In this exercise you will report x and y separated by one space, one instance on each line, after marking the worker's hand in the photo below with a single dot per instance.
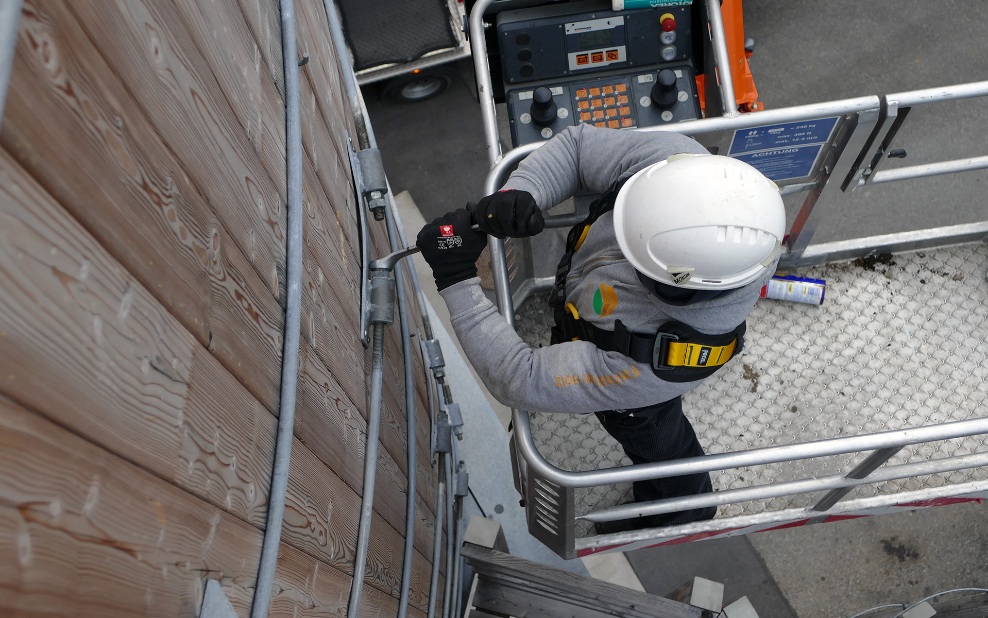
451 247
508 213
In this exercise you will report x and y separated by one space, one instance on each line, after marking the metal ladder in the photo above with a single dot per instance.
889 402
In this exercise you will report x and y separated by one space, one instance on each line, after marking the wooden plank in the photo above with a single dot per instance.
343 451
242 330
85 533
322 73
180 97
133 381
219 33
263 18
106 164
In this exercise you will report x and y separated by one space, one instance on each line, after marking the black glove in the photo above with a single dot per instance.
451 247
508 213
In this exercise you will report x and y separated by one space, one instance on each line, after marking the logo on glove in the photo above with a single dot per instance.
447 239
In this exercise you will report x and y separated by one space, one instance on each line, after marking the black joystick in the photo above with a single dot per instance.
664 91
543 107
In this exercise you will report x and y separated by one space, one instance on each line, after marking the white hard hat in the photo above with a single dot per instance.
702 222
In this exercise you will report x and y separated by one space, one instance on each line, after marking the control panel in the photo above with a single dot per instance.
582 62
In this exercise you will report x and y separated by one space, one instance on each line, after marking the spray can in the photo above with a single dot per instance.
624 5
795 289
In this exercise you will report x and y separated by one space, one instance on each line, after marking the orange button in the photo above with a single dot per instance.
612 55
595 57
581 93
612 112
620 87
609 101
622 99
613 124
583 104
598 114
627 122
597 103
583 59
607 89
625 111
602 125
584 116
595 92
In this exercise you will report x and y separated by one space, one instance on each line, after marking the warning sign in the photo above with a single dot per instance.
783 151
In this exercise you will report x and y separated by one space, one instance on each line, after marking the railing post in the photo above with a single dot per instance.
551 514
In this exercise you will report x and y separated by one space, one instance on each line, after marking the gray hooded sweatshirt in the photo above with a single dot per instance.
577 377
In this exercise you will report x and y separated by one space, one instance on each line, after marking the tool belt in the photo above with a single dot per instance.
676 353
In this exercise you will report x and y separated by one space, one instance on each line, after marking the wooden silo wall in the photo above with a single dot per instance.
142 299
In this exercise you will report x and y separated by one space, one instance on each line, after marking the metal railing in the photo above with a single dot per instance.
863 131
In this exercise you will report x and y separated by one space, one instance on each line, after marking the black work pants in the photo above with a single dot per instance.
660 433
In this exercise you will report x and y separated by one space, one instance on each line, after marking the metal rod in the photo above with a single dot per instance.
410 454
654 536
870 464
485 92
787 488
437 540
769 116
723 461
722 59
290 353
370 470
457 533
10 14
935 95
450 534
928 169
397 240
892 243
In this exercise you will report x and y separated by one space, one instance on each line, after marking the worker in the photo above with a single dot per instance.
650 298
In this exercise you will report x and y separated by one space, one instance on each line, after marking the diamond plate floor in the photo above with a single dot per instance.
901 341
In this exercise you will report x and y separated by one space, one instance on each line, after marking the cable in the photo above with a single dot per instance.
370 471
290 354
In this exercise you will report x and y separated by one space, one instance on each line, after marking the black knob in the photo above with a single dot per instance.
543 107
664 91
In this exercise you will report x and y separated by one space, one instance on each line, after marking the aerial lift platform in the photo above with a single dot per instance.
870 403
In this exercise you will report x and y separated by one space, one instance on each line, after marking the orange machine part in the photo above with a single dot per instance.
744 84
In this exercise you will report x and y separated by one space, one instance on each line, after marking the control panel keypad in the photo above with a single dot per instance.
605 105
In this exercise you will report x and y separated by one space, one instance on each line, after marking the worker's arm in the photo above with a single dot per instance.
585 157
574 377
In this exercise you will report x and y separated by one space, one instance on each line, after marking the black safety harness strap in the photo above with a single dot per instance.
575 238
677 353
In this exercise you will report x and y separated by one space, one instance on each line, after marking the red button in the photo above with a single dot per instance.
668 24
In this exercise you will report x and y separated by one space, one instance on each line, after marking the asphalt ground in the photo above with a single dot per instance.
805 52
